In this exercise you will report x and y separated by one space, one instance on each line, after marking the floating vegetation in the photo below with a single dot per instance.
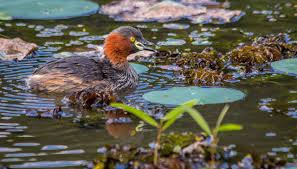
47 9
139 68
4 16
263 50
252 55
179 95
287 66
205 68
208 58
205 77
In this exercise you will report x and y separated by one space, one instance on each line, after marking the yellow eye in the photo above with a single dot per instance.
132 39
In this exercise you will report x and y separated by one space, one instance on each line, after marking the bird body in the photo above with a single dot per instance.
109 73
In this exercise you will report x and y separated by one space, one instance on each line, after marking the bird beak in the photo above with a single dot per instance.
144 45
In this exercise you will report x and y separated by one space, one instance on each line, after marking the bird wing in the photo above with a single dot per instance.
83 68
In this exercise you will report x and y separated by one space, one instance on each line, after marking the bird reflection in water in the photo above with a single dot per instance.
119 125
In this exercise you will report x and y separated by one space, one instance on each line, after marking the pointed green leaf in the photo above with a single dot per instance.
230 127
199 120
140 114
172 116
176 111
221 116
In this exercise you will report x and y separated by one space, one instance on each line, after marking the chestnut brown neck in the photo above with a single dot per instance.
117 48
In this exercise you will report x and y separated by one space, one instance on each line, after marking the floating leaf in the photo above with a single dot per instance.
179 95
288 66
4 16
230 127
140 114
47 9
139 68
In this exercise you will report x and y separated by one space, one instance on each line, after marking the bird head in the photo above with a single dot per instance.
122 42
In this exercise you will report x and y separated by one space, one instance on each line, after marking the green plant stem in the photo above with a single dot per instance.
213 151
158 144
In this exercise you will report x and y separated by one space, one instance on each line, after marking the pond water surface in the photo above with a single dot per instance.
27 142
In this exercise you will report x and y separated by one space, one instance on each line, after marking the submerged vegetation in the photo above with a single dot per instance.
210 68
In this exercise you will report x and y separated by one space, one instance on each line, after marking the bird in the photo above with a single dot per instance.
75 75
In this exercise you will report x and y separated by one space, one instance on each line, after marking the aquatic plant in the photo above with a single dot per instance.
206 77
161 126
287 66
263 50
204 95
46 9
4 16
213 133
208 58
252 55
205 68
139 68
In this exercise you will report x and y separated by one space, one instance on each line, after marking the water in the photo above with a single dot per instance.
27 142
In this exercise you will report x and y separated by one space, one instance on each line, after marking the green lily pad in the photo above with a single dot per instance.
4 16
46 9
139 68
179 95
288 66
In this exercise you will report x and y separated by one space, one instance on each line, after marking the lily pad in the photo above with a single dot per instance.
139 68
46 9
4 16
288 66
179 95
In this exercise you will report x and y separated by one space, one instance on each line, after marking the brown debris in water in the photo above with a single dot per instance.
208 58
164 11
211 68
206 77
15 49
263 50
205 68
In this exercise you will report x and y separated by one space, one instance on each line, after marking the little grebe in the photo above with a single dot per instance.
111 72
